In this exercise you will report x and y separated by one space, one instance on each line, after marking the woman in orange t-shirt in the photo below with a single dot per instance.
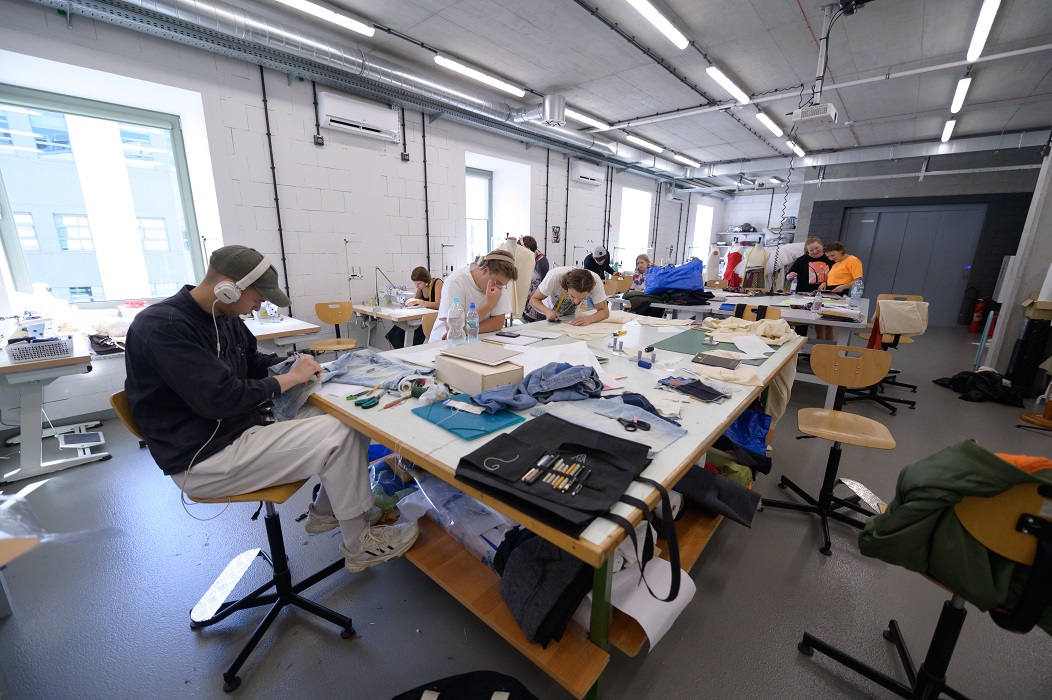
846 269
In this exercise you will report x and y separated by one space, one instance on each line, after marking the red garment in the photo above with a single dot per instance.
733 258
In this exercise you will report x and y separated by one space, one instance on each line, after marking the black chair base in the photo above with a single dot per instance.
873 393
927 682
285 593
826 505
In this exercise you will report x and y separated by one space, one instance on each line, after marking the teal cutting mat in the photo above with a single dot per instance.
691 342
466 425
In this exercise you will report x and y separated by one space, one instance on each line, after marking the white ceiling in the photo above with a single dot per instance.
557 46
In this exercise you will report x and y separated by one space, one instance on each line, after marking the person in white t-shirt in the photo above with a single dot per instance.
563 289
482 283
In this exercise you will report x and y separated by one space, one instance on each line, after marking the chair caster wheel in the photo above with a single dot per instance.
231 685
781 485
912 407
828 551
195 625
347 633
888 635
805 649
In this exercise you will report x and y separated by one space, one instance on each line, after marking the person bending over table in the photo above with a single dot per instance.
639 279
845 270
196 385
482 283
562 291
428 292
810 272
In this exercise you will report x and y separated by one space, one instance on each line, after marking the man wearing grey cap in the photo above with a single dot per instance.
598 261
196 384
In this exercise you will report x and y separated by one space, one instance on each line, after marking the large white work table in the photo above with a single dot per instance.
575 662
408 318
271 335
29 379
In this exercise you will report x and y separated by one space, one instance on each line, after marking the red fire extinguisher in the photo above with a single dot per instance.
977 316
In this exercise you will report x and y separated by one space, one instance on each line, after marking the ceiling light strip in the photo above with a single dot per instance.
585 119
662 23
329 15
959 94
795 149
728 84
687 161
982 28
642 143
769 123
478 75
947 130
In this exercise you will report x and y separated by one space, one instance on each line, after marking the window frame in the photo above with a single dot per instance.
39 99
486 175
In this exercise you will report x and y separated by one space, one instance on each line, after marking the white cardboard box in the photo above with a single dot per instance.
472 377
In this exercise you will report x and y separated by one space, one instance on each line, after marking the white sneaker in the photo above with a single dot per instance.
319 522
380 544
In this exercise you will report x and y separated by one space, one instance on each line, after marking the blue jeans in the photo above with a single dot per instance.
556 381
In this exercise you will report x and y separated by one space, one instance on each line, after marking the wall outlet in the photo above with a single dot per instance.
405 157
319 140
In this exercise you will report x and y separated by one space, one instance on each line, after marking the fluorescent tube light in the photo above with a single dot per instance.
948 130
959 95
687 161
727 84
651 14
329 15
982 28
479 76
585 119
775 180
766 121
795 149
645 144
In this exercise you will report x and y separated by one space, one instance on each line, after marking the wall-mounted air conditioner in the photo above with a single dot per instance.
358 116
587 173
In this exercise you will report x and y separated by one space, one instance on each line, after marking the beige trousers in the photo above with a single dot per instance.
268 455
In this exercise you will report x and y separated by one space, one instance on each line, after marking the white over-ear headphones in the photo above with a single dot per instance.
230 292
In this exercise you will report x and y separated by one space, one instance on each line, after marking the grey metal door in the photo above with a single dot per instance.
916 250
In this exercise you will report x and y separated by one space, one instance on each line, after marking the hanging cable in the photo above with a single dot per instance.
547 175
785 204
427 212
566 214
274 182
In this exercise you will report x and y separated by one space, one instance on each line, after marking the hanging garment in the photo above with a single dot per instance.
755 268
712 265
730 273
519 290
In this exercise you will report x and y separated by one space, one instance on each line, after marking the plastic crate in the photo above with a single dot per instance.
46 350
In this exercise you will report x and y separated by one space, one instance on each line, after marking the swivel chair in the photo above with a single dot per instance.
1010 525
749 312
846 367
334 313
285 592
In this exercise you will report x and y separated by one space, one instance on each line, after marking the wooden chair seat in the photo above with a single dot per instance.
887 339
271 494
334 345
844 427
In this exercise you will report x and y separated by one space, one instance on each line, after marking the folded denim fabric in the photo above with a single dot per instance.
556 381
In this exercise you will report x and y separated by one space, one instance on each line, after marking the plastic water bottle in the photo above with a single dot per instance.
455 334
792 287
856 294
472 323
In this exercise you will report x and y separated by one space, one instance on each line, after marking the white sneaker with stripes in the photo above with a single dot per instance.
379 544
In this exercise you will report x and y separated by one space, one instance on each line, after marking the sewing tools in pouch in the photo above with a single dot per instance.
563 475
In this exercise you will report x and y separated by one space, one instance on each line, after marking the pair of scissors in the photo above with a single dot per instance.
362 393
632 424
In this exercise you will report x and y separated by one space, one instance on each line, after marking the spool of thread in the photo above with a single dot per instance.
644 364
417 391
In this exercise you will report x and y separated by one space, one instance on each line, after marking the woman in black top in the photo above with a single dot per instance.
810 270
428 294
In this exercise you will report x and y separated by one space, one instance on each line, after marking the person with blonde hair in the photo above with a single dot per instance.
483 283
639 278
564 289
810 270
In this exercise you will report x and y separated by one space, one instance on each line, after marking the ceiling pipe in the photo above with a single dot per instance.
260 38
795 91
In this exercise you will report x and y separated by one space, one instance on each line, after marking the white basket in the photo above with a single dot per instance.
47 350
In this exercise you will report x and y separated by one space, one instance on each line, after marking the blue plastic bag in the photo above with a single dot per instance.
749 430
663 279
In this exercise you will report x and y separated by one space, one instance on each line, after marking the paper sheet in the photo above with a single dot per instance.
574 353
752 345
630 596
423 355
544 335
669 329
502 340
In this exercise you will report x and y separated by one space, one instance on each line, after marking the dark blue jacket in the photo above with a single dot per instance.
179 388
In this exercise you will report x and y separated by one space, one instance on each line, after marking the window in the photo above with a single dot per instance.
153 234
478 196
81 170
27 233
634 233
702 231
73 232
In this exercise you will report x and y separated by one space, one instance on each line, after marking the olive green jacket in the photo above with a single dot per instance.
919 530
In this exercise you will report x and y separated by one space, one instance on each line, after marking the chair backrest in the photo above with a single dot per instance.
1016 524
717 284
852 368
427 323
894 297
119 401
334 312
748 312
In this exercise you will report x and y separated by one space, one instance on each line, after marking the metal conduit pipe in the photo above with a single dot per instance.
282 43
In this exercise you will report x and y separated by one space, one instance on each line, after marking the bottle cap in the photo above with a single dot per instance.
456 300
471 305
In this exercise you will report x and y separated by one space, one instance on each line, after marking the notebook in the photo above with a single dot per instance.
483 353
466 425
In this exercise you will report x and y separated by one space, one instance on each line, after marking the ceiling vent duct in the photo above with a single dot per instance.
554 110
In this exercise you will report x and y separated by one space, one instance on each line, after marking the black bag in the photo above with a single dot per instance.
477 685
498 467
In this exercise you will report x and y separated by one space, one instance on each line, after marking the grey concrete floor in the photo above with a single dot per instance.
106 617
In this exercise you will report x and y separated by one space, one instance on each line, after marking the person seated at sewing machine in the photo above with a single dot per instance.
562 290
428 294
